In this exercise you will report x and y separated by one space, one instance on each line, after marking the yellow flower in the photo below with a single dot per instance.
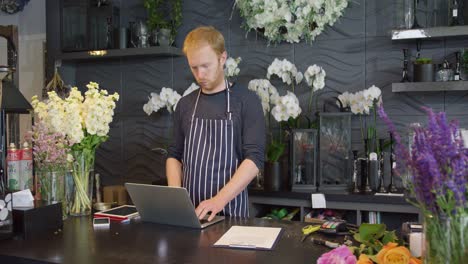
364 259
392 254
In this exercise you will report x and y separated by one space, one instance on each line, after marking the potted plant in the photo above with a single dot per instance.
423 70
160 18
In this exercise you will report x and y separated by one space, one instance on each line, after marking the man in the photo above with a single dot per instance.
219 133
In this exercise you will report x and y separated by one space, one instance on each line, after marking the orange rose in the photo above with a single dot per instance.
364 259
414 260
392 254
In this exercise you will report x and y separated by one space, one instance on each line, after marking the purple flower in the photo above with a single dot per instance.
438 163
339 255
49 149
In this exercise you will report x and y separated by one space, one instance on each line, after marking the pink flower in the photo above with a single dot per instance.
340 255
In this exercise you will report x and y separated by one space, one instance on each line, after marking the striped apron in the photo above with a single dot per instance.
209 160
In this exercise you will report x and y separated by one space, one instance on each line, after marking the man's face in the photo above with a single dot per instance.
207 67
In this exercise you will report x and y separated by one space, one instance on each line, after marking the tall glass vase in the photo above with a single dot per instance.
52 188
83 178
445 239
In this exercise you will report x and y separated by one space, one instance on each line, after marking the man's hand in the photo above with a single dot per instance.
213 205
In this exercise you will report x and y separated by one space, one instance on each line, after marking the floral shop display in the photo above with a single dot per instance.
290 21
288 116
438 184
84 121
364 104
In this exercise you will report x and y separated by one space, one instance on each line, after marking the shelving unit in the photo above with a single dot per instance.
360 204
430 86
429 33
157 51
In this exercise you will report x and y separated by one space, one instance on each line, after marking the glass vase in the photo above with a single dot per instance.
52 188
83 177
445 239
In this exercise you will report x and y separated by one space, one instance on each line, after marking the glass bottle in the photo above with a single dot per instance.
381 188
355 171
391 187
456 74
365 169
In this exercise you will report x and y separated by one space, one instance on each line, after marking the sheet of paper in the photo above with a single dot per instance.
250 237
23 198
318 200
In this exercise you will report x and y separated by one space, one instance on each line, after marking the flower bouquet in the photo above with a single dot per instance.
438 183
290 21
85 123
50 151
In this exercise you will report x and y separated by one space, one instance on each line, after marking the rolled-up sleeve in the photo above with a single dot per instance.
176 148
253 130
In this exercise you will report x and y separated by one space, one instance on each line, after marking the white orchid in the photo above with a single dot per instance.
166 98
266 91
290 20
285 70
361 103
287 107
231 67
315 78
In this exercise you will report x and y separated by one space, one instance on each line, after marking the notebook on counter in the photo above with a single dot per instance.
250 237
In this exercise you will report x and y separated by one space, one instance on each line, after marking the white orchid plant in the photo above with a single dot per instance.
290 21
283 108
362 103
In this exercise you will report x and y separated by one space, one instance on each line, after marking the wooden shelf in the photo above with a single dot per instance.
430 86
428 33
157 51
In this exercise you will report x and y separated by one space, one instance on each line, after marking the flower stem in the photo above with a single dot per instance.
310 99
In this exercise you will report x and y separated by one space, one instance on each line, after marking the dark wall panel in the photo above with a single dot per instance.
356 53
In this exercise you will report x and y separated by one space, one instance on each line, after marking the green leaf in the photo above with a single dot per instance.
389 237
282 213
274 151
370 231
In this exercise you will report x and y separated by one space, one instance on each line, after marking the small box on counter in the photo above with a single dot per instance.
42 217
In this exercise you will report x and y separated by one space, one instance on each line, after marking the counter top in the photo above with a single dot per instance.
138 242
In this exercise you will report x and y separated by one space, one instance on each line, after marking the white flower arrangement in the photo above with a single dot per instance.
84 121
166 98
78 116
285 70
231 67
290 21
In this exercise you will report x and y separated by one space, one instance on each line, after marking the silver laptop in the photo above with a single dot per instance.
166 205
